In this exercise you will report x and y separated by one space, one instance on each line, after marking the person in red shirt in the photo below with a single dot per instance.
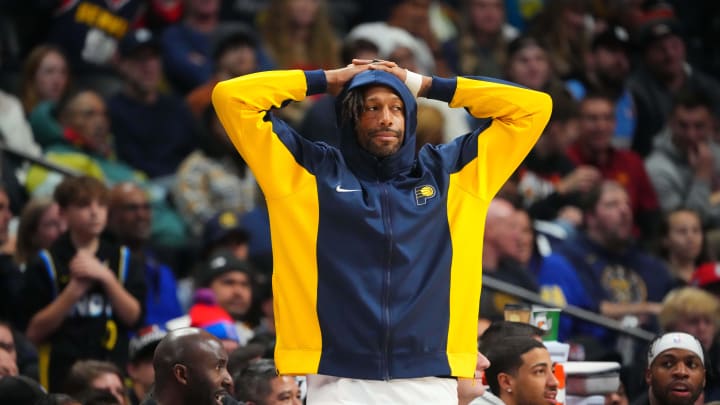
593 147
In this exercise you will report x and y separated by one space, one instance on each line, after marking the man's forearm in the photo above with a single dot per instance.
617 310
49 319
123 303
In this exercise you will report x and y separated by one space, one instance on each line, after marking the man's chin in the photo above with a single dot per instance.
384 151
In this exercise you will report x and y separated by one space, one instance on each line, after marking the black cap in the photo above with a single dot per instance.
221 262
138 39
20 390
613 37
144 343
656 29
232 36
222 225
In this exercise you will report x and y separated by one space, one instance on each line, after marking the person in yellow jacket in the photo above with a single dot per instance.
377 251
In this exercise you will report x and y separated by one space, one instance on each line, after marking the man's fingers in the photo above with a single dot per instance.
362 61
374 62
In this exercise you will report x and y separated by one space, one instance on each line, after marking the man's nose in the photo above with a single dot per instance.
386 117
681 370
552 380
482 362
227 381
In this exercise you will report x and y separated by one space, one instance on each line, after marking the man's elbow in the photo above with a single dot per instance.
543 105
219 93
33 333
132 316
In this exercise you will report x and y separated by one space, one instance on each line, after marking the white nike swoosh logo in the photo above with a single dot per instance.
339 189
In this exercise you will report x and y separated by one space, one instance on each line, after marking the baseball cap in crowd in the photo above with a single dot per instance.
208 315
614 37
675 340
655 29
144 343
136 40
20 390
227 37
221 226
222 262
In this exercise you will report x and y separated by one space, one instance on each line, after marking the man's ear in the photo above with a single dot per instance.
647 376
180 373
505 382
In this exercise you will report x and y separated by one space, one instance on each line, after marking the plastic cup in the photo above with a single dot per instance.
517 313
547 319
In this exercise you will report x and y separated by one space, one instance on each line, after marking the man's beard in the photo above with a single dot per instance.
663 398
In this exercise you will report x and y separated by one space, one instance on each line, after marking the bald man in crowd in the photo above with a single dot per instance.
130 216
191 369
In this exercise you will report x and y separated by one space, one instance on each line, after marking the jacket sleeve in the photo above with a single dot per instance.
277 155
519 116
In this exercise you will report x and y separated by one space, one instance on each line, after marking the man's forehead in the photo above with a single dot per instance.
211 348
375 91
700 111
86 99
127 193
536 356
677 353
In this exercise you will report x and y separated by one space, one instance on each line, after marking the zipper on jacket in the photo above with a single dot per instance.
385 206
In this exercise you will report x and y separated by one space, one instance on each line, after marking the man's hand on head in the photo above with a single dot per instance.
336 78
418 84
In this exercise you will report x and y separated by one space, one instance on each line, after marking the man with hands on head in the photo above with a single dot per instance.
377 270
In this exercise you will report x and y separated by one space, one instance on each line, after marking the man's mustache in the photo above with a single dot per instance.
377 131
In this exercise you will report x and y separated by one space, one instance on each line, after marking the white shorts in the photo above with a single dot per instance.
328 390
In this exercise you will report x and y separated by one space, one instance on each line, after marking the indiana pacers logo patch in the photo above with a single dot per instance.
424 193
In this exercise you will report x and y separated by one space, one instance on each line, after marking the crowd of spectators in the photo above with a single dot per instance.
113 159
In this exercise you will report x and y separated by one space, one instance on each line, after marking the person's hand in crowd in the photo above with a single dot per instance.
86 266
78 286
650 310
701 160
582 179
570 214
8 367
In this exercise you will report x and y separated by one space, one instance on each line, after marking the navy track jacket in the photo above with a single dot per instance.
377 262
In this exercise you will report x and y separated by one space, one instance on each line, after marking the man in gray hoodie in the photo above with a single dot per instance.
684 166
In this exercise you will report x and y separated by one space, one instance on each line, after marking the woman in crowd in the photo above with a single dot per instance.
40 224
45 76
682 244
697 312
299 34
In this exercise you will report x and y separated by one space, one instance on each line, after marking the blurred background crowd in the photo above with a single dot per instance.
616 210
